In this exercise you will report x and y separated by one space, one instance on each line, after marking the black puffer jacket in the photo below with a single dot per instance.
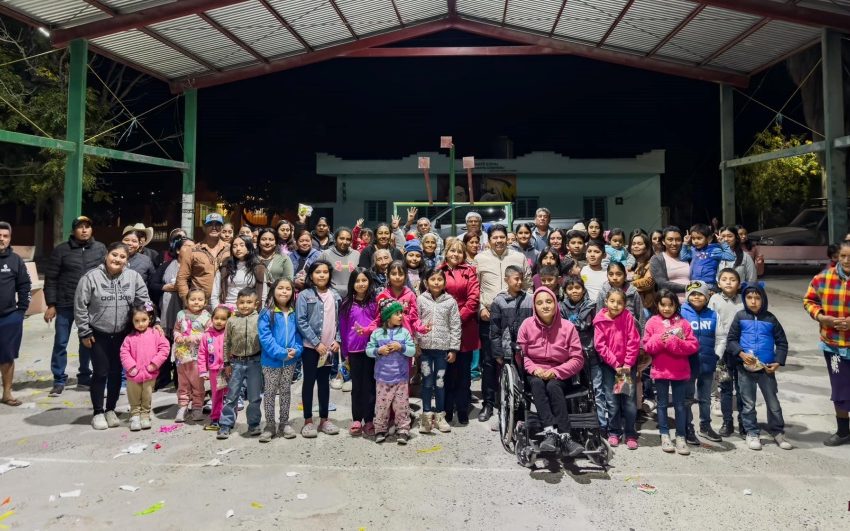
68 262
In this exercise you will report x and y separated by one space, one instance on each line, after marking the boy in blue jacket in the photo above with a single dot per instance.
758 345
704 255
703 321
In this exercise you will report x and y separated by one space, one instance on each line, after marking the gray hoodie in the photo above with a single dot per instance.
102 302
341 267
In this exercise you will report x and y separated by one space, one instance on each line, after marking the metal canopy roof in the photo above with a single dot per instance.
202 43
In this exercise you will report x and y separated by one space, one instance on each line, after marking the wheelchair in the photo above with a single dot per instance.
519 424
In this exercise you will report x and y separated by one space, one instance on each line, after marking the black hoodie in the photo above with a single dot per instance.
15 283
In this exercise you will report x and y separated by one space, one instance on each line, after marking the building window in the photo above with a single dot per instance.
526 207
375 211
594 207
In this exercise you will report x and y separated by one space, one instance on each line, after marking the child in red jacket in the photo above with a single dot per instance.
142 354
617 341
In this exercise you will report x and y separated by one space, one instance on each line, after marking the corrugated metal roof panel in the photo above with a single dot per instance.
58 12
588 21
538 15
706 33
148 52
483 9
648 22
315 20
254 25
414 10
368 16
772 41
192 33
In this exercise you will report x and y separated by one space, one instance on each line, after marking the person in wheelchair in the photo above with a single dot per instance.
551 354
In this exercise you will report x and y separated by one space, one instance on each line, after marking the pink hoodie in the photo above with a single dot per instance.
140 350
210 351
553 347
617 340
669 356
409 319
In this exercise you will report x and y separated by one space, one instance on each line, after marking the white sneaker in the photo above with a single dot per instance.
98 422
782 443
336 383
123 391
146 423
112 419
753 442
667 444
135 423
346 387
181 414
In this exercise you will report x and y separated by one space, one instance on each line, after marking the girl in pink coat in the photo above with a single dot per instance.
617 341
142 354
551 356
670 341
211 361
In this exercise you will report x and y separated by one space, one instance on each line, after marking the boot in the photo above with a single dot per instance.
571 447
727 429
441 424
426 421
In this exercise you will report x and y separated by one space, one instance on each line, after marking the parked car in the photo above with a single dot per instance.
809 227
557 223
490 215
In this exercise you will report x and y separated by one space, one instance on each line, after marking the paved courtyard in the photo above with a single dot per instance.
445 481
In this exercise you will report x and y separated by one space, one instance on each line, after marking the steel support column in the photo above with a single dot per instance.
76 129
727 152
833 110
190 130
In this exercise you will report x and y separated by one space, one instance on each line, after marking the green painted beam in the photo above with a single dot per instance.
814 147
190 137
835 159
35 141
76 128
107 153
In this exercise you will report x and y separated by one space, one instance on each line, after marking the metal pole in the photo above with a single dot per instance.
76 129
727 152
190 135
452 187
833 111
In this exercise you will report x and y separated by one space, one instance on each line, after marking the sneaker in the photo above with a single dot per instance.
715 408
286 431
181 414
135 423
369 429
223 433
309 431
649 405
571 447
112 419
632 443
346 387
691 438
667 444
267 435
403 438
726 429
82 387
336 383
197 415
837 440
328 428
380 437
212 426
753 442
355 429
145 423
550 442
56 391
708 433
682 446
207 409
781 442
614 441
426 421
254 431
240 405
441 424
98 422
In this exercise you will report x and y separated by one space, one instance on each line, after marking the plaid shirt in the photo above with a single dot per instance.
829 293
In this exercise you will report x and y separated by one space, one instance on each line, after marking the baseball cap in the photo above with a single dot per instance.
215 217
79 220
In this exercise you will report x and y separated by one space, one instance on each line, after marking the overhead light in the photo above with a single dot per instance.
44 31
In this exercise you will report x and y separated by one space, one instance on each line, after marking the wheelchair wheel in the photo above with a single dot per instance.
602 452
525 455
507 413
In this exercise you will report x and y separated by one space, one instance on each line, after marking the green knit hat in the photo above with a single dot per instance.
390 307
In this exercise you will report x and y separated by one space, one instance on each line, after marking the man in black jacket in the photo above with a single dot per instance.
14 300
69 261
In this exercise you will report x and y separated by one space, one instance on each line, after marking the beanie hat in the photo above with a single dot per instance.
413 245
390 307
698 286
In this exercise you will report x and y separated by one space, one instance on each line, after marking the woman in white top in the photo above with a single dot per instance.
242 269
743 262
666 268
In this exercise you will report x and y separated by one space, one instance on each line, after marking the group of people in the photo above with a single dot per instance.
375 310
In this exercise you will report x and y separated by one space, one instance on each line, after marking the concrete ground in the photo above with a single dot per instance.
463 479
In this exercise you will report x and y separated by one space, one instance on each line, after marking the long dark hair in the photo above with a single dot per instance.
289 244
260 233
545 252
308 282
430 273
271 303
349 299
647 243
736 245
374 243
251 260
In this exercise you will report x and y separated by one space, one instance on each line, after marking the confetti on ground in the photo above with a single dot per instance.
6 515
71 494
13 464
431 450
128 488
647 488
7 501
213 462
257 505
152 509
748 492
157 446
135 448
22 442
229 513
225 452
170 428
68 403
292 474
302 496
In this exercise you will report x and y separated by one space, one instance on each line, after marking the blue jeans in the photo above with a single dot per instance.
59 357
245 372
599 395
662 394
622 409
726 389
434 366
699 391
747 382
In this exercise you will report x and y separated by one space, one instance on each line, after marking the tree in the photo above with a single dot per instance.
773 191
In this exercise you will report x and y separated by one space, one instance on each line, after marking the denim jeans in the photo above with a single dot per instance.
434 367
600 396
622 409
489 367
662 394
747 382
699 391
726 389
59 358
247 371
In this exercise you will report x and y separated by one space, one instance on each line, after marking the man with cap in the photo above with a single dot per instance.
15 287
198 269
68 262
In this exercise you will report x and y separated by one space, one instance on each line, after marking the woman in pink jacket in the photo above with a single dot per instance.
670 341
551 356
142 354
617 341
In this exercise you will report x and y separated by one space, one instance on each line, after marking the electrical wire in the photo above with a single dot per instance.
132 119
29 57
7 102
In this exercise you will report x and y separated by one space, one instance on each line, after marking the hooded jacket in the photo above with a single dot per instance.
444 317
634 302
759 333
670 355
554 347
140 350
342 266
300 262
142 264
507 314
102 302
15 284
705 261
349 318
393 368
617 340
279 333
704 326
410 318
726 309
211 351
68 262
581 315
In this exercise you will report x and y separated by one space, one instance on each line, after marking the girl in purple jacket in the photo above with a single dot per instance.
356 312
